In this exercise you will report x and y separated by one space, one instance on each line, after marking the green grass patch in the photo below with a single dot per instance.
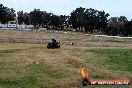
95 76
47 70
32 76
7 53
117 59
27 81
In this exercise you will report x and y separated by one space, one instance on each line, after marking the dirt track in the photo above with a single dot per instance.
67 42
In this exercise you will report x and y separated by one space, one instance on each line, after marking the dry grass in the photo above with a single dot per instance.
24 65
45 68
59 36
32 65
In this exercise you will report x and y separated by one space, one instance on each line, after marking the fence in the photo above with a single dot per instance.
16 26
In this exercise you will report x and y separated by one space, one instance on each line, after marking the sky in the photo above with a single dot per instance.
115 8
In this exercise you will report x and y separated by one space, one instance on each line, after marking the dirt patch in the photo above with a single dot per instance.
66 42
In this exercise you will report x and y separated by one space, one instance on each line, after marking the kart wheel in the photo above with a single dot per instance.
85 82
48 47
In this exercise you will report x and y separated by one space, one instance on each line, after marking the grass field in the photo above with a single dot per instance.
25 65
60 36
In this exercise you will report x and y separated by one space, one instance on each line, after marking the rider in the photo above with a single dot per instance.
53 40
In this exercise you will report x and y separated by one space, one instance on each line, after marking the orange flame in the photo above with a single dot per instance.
84 73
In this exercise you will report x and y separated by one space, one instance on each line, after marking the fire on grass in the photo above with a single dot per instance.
85 81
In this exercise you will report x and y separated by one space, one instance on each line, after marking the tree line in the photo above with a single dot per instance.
42 18
86 20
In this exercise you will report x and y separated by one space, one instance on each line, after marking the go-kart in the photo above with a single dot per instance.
53 45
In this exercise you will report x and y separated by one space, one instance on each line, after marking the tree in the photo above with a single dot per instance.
55 21
128 29
45 19
90 19
113 26
77 18
117 26
63 21
122 20
20 17
27 18
2 12
102 21
6 14
36 17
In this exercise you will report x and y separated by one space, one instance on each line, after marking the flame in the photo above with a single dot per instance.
84 73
